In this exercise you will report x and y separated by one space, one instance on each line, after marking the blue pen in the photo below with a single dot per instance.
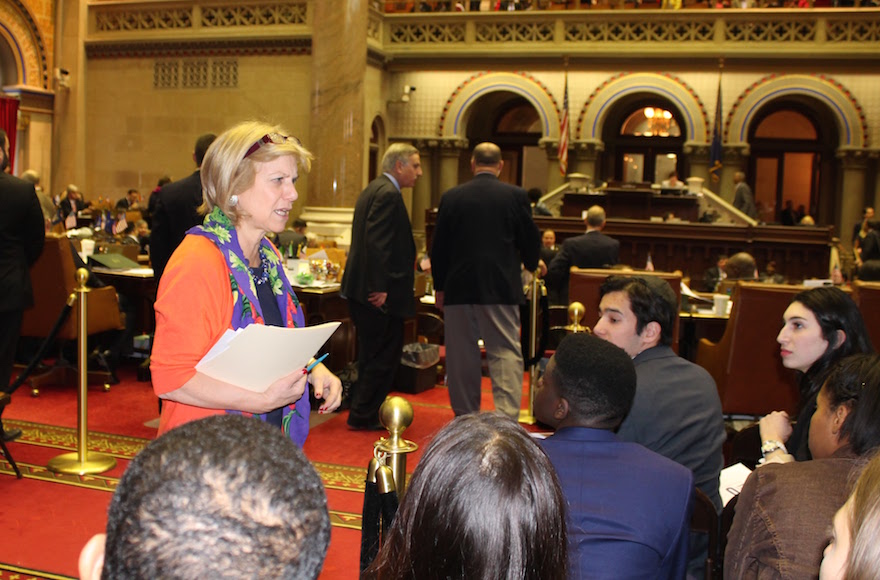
317 361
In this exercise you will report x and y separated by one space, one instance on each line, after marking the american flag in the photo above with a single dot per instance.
562 152
715 150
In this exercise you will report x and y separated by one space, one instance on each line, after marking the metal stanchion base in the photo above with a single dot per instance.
526 417
70 464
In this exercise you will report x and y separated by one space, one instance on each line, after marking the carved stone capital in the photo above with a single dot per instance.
697 151
853 158
736 154
588 150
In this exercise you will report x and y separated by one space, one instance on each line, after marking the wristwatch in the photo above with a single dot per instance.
771 445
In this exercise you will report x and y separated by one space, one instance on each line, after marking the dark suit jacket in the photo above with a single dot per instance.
591 250
382 256
65 207
22 232
175 212
629 508
484 233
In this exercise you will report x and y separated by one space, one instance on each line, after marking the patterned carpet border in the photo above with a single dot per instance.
118 446
10 572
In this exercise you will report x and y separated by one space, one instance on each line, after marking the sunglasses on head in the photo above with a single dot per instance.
274 138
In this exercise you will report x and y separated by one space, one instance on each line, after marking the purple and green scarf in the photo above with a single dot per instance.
246 307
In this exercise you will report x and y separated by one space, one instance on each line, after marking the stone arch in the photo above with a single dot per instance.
453 120
19 30
669 87
848 114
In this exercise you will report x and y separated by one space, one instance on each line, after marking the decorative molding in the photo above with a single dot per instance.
207 48
849 114
125 18
665 85
19 27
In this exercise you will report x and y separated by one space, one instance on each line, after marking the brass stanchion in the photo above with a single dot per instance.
576 313
396 414
82 462
538 290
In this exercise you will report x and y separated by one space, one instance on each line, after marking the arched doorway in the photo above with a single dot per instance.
792 143
511 122
644 137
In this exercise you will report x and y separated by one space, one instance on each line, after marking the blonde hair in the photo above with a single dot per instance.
226 171
864 557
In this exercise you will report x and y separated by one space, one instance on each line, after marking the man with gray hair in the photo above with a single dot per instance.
743 199
590 250
378 281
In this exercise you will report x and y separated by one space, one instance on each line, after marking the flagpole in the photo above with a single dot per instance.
562 150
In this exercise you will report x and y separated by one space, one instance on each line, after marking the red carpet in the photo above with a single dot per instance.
47 518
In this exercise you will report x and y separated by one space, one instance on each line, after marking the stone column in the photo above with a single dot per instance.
69 130
450 154
698 164
733 158
586 158
337 129
420 195
854 163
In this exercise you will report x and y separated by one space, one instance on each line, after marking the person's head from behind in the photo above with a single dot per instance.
848 408
589 382
636 313
200 149
250 172
854 552
535 194
595 218
483 503
299 226
32 176
741 266
819 327
487 158
223 497
548 238
4 150
403 162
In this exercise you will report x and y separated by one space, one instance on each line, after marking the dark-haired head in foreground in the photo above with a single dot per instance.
223 497
483 503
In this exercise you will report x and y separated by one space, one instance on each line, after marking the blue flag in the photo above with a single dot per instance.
715 150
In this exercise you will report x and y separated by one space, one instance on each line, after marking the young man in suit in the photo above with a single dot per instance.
629 508
590 250
676 411
484 236
176 210
22 233
378 281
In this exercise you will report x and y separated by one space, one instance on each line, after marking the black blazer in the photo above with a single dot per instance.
484 234
174 213
22 232
591 250
382 256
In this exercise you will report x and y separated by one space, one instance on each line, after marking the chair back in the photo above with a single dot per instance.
745 363
54 279
584 283
867 296
704 520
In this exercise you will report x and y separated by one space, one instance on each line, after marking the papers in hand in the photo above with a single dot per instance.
256 356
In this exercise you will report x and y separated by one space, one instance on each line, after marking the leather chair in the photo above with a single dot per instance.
867 296
54 279
745 362
584 283
704 520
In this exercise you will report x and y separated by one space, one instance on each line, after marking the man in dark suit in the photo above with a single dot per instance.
176 210
378 281
22 232
629 508
590 250
484 235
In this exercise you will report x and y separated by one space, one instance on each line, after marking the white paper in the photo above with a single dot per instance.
732 480
256 356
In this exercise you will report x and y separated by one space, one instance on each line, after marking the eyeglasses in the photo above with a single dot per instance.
274 138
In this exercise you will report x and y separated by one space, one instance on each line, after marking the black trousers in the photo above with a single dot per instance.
10 328
380 344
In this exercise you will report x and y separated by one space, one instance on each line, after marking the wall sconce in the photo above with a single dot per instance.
407 90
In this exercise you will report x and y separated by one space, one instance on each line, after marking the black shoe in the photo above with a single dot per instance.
10 435
376 426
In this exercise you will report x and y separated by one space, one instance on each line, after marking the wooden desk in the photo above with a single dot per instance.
139 286
696 325
323 305
640 204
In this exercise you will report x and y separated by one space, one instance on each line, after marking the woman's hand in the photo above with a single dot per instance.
285 391
327 386
775 427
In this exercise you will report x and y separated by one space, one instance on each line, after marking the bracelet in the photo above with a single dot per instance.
771 445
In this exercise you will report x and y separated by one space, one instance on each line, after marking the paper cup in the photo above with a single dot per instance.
721 301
